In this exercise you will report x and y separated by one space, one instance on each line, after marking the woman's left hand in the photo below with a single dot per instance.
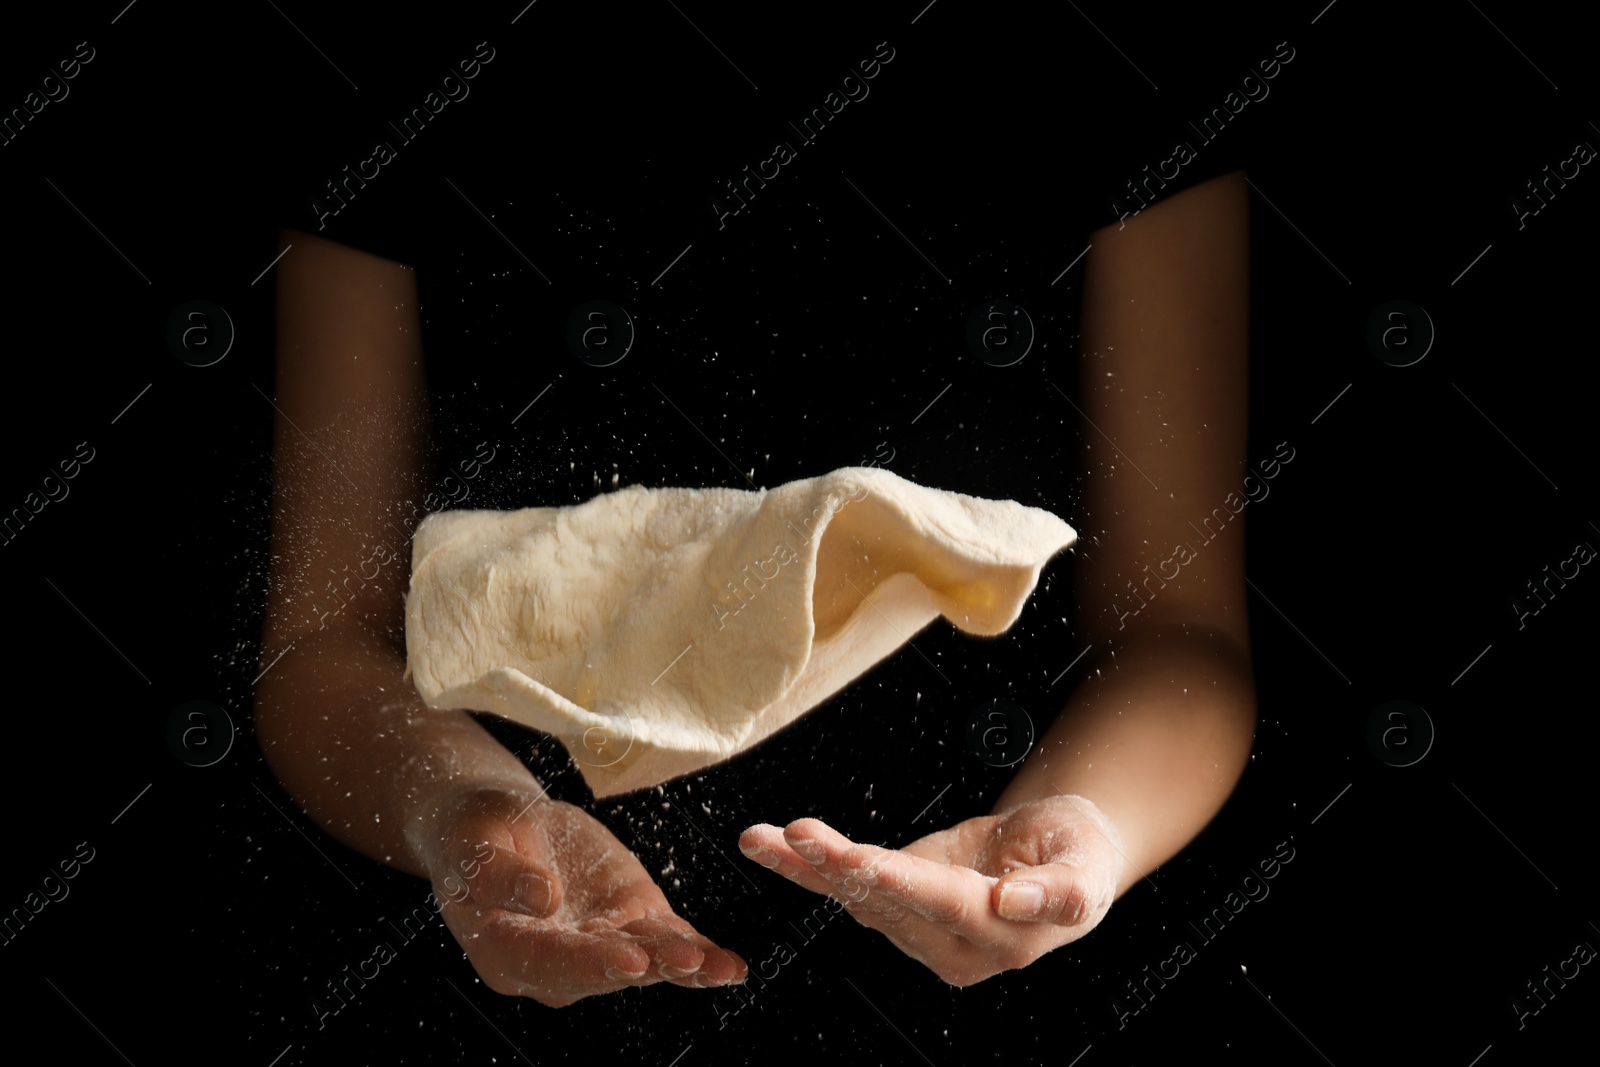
987 895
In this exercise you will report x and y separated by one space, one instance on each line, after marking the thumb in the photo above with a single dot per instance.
510 880
1051 893
494 872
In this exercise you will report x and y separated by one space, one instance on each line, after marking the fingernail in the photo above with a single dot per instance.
1020 900
810 851
617 974
676 972
764 856
534 892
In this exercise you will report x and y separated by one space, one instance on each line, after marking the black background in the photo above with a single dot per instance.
1419 900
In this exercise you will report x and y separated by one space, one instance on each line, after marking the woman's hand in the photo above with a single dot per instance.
987 895
548 904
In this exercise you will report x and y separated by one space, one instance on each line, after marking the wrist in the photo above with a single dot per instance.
1112 832
1103 823
430 827
1091 812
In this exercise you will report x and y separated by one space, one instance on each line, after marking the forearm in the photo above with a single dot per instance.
1156 736
1159 730
363 756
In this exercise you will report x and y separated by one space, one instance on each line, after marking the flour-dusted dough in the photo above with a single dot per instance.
658 631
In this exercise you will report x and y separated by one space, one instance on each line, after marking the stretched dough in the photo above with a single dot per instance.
659 631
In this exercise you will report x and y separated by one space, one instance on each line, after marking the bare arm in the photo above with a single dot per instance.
545 901
1154 739
1159 731
351 742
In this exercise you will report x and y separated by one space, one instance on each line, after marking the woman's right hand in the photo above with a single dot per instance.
548 904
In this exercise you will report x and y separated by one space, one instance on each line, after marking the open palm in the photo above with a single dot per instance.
987 895
548 904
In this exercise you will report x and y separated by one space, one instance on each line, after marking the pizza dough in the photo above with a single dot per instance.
659 631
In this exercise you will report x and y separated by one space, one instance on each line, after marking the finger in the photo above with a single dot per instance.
926 908
765 844
1052 893
891 881
636 909
514 881
946 895
826 850
721 966
559 963
482 861
682 955
674 955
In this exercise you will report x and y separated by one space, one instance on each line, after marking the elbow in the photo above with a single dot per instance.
269 714
276 701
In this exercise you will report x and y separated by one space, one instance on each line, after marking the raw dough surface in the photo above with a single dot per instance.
659 631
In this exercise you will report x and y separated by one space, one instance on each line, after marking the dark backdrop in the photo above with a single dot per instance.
1386 563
